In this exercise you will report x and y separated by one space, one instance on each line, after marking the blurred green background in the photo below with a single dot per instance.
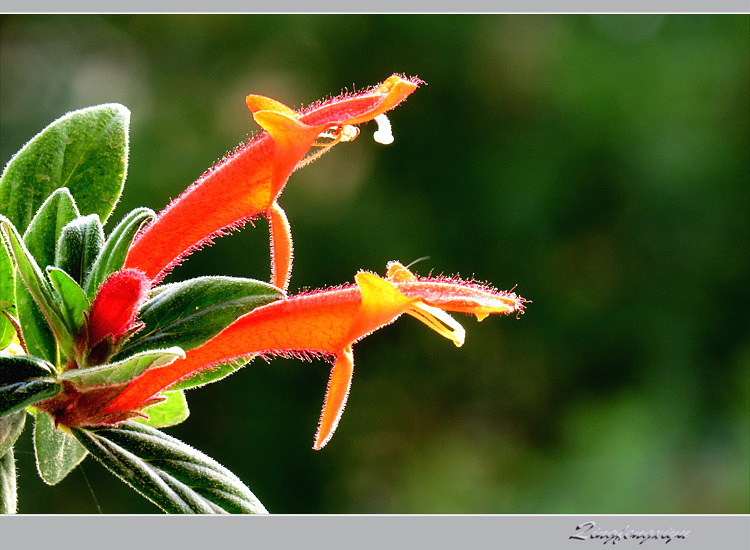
600 163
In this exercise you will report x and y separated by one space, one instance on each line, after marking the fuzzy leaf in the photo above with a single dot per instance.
189 313
8 494
40 239
7 279
79 245
85 151
25 380
18 368
38 287
72 300
11 427
16 396
123 371
57 452
46 228
7 330
167 413
113 254
171 474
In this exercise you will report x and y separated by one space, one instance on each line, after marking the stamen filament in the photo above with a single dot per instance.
439 321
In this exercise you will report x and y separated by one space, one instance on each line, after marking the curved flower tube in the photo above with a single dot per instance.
329 322
249 180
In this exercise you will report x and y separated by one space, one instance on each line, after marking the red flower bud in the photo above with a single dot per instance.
116 304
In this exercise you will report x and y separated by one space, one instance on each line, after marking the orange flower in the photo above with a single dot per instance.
329 322
250 179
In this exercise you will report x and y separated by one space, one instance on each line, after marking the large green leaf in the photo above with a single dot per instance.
189 313
123 371
167 413
57 452
79 245
171 474
115 250
8 495
11 426
85 151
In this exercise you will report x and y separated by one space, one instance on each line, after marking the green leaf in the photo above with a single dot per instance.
7 279
39 289
38 336
112 256
25 380
171 474
85 151
57 452
46 228
16 396
213 374
7 331
8 494
41 238
79 245
167 413
123 371
71 298
189 313
18 368
11 427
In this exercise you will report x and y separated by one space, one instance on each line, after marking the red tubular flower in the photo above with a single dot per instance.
250 179
329 322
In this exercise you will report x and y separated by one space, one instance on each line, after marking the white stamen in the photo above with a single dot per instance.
383 134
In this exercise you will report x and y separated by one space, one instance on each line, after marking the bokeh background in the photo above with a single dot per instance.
600 163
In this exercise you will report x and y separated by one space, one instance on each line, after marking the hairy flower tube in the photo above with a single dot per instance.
250 179
329 322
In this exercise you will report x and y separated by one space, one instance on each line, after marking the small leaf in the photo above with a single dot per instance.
79 245
171 474
213 374
123 371
40 340
71 298
113 254
37 286
189 313
46 228
85 151
11 427
7 331
7 279
57 452
167 413
8 494
40 240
